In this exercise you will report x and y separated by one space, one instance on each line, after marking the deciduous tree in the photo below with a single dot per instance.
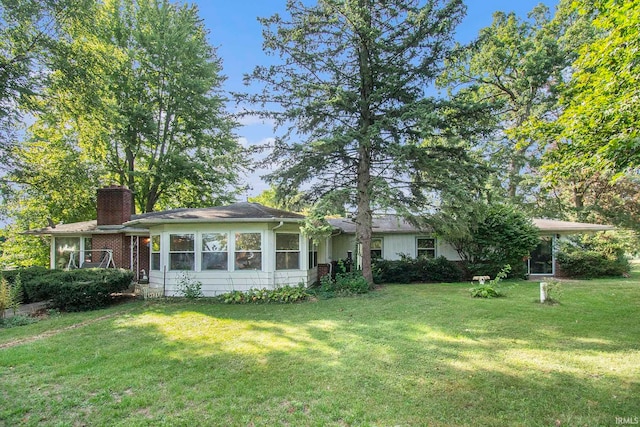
142 86
514 67
599 124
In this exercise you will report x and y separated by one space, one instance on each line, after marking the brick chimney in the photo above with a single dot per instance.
114 205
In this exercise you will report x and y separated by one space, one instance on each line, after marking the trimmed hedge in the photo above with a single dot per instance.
73 290
591 264
28 277
409 270
80 290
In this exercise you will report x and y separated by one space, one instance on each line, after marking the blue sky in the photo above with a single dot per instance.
236 33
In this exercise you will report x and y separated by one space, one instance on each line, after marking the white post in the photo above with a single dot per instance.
543 291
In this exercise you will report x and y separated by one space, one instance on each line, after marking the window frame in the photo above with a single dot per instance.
182 252
153 253
236 252
288 251
313 254
204 252
381 249
425 248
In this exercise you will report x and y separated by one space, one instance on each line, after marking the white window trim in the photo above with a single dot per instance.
233 250
299 252
201 251
435 246
170 252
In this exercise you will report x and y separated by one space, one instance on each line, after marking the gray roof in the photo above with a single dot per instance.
381 224
255 212
395 224
566 227
85 227
236 212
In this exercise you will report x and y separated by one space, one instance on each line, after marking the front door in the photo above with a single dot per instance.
541 258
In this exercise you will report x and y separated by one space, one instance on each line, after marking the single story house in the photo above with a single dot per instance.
244 245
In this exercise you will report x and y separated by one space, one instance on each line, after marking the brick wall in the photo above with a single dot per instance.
323 270
114 205
118 243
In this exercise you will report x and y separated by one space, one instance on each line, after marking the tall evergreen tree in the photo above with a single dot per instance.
351 89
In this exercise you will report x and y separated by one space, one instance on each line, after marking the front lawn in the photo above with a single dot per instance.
403 355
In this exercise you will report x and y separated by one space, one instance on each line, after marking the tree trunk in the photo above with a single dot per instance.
363 197
363 215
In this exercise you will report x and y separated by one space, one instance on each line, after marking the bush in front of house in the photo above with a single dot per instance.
28 276
489 236
90 289
80 290
591 256
282 295
591 264
409 270
344 284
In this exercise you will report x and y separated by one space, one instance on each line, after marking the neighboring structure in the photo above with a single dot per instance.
245 245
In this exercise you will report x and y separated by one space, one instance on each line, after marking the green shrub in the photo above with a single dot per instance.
80 290
489 236
345 283
408 270
27 278
587 264
494 288
18 320
282 295
9 295
553 292
188 287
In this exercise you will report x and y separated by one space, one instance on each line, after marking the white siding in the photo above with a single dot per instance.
215 282
446 250
340 244
392 246
395 244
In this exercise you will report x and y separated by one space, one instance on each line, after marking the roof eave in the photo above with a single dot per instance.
161 221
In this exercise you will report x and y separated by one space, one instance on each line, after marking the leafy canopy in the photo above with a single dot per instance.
350 92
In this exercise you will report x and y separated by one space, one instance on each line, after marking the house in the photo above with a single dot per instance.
244 245
393 236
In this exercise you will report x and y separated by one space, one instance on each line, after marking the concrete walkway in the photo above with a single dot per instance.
26 309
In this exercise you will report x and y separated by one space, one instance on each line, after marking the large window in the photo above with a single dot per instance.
376 248
181 252
426 247
313 254
67 252
287 251
248 254
155 252
214 251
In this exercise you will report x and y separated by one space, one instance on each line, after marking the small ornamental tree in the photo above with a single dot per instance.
495 236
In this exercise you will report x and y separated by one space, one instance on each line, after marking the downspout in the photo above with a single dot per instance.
272 274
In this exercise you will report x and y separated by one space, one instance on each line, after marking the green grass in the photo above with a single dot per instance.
403 355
